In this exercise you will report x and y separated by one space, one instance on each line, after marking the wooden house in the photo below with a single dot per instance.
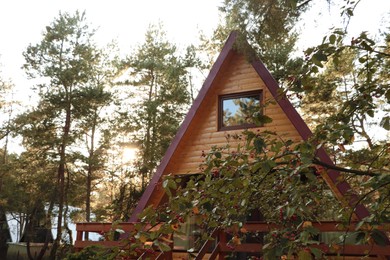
231 78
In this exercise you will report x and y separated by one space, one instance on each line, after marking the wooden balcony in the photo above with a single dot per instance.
106 230
219 247
102 229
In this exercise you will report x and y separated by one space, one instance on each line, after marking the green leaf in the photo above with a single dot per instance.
309 51
169 184
256 166
207 206
304 255
305 148
312 230
360 237
316 252
153 235
370 113
165 183
290 212
314 70
164 247
385 123
332 39
172 184
268 165
260 119
363 59
360 224
249 136
293 4
259 144
366 46
379 237
320 56
387 95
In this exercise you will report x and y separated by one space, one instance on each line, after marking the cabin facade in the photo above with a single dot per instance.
215 114
232 76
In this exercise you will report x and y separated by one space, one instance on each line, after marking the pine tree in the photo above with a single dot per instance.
158 77
268 26
67 63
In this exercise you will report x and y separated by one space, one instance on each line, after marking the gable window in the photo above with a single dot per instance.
236 110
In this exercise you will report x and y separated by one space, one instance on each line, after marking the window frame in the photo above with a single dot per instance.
223 97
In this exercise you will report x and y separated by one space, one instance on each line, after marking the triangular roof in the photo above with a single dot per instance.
341 188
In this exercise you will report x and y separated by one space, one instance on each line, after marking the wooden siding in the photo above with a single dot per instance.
239 76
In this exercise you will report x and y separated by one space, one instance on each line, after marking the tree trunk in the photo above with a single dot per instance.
48 226
60 188
61 177
4 228
4 234
90 173
147 142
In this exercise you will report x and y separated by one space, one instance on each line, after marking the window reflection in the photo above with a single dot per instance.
238 110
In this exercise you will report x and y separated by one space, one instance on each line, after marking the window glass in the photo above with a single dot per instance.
237 110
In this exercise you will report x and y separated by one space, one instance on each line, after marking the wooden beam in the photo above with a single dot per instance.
103 227
354 250
246 248
323 226
215 252
82 244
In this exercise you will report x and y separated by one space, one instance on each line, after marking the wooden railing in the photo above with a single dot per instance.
106 230
219 247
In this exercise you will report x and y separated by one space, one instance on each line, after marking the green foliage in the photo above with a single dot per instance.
346 89
91 253
73 76
268 27
265 174
158 77
353 80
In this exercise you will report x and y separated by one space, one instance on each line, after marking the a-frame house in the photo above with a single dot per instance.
234 77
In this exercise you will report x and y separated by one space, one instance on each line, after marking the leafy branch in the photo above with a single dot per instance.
341 169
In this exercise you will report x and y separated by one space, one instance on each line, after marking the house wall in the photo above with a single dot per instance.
236 76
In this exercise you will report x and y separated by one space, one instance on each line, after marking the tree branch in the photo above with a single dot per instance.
303 4
364 49
341 169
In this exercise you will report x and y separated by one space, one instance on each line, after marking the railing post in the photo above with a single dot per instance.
222 242
79 235
169 254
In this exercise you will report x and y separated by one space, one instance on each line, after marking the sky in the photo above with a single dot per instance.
22 22
369 15
126 21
